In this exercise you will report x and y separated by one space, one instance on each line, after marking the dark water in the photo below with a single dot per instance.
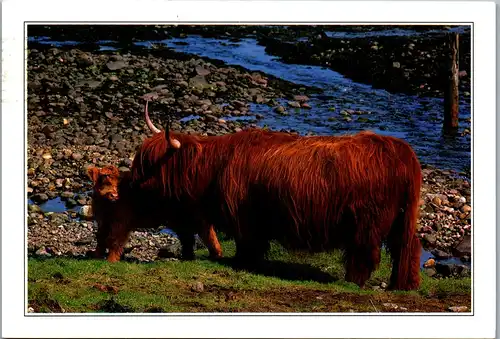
395 32
55 205
417 120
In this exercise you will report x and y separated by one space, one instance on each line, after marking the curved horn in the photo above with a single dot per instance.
171 141
148 121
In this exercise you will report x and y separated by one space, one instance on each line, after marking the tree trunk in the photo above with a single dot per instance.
451 88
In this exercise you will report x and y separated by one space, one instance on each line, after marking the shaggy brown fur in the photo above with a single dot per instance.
117 210
316 193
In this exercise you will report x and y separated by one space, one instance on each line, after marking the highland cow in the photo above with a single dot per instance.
118 210
318 193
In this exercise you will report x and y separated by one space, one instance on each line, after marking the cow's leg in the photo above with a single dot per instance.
362 253
360 262
187 242
102 236
251 250
117 238
209 237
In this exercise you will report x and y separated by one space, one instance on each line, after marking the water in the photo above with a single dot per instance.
55 205
414 119
396 32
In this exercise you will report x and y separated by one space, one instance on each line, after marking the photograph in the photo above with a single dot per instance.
224 169
249 168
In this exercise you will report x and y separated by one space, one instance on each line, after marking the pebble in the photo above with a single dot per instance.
458 308
430 263
76 156
198 287
85 212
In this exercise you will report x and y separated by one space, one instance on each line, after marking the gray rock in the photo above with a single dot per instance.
67 195
85 212
458 308
464 248
199 82
71 203
430 271
32 208
200 70
76 156
116 65
438 254
279 109
447 270
173 250
430 238
42 252
40 197
198 287
293 104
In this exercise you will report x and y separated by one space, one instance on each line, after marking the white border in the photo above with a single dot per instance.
13 172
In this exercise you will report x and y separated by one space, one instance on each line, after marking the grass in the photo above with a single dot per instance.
289 282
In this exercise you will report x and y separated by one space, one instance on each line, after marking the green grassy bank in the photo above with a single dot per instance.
289 282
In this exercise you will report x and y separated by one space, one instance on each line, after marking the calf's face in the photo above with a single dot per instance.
105 181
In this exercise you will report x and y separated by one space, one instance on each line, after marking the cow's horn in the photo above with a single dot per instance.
148 121
171 141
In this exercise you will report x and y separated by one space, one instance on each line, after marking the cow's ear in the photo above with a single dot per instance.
93 173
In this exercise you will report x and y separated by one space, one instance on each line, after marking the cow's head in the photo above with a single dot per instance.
172 142
105 181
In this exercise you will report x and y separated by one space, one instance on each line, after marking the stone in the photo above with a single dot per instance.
430 263
300 98
199 82
40 197
200 70
85 212
32 208
458 308
198 287
464 247
279 109
116 65
430 238
42 252
173 250
430 271
67 195
437 201
439 254
76 156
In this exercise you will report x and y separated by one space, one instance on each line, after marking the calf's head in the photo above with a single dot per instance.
105 182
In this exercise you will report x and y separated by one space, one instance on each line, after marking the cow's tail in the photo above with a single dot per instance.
404 244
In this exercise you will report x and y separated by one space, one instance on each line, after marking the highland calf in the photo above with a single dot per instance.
316 193
118 210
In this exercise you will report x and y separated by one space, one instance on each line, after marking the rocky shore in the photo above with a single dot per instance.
85 108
